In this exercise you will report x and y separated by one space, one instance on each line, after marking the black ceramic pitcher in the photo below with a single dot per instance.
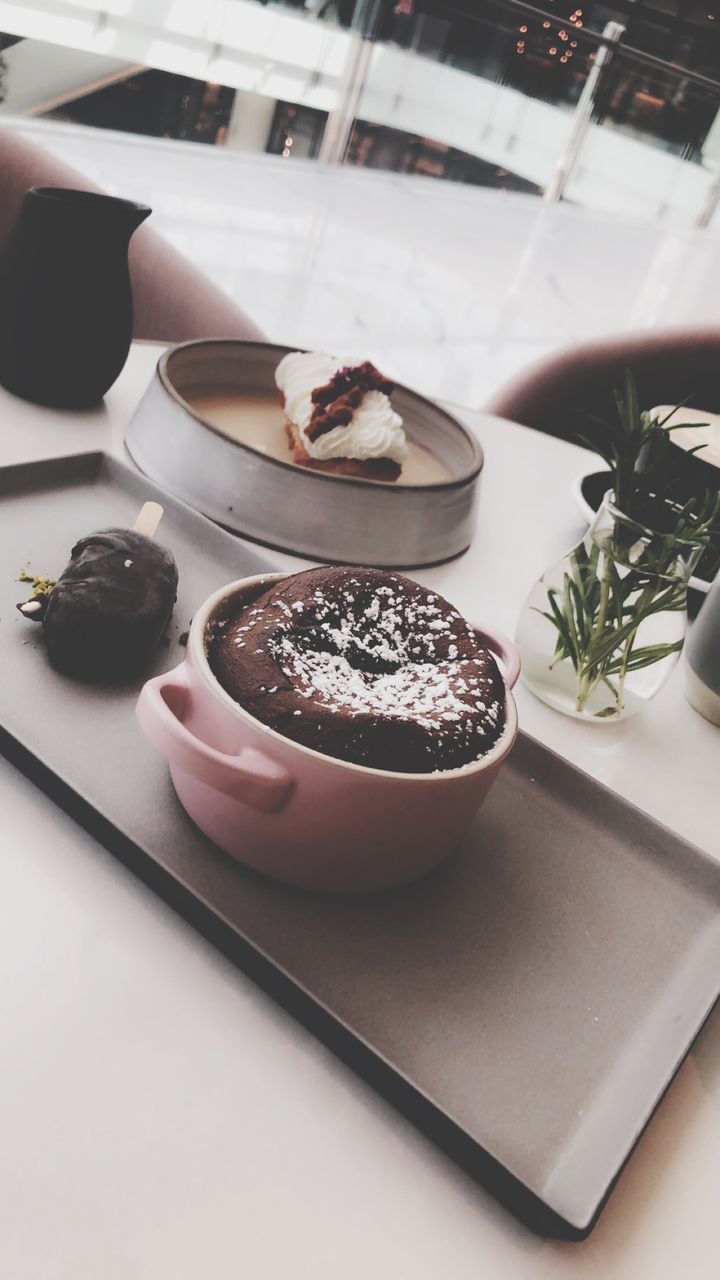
65 296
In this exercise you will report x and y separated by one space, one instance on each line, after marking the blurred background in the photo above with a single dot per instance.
452 188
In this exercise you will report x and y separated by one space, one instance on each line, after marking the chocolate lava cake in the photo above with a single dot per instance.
363 665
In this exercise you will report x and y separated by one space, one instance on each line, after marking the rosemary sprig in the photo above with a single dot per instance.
617 580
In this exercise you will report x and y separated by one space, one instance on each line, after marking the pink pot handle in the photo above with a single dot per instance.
249 776
503 649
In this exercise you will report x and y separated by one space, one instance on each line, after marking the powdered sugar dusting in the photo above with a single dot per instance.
367 665
384 663
425 693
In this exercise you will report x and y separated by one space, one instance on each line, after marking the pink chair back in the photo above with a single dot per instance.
562 394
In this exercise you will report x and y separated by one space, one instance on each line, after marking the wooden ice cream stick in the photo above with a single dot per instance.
149 518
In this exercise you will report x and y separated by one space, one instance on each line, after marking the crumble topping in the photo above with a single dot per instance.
336 401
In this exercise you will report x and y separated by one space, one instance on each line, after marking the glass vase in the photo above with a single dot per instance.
602 629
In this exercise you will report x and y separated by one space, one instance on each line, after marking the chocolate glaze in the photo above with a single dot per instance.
363 665
105 616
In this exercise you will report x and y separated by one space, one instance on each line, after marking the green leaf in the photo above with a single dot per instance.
569 616
648 654
632 406
562 626
583 622
645 656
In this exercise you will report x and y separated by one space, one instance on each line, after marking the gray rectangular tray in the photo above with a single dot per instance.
526 1005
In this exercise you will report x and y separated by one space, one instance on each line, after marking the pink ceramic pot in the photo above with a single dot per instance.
292 813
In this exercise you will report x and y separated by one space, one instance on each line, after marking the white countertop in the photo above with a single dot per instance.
161 1117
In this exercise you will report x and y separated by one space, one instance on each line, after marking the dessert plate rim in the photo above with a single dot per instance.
465 477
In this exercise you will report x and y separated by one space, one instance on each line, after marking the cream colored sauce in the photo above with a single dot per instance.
256 418
690 437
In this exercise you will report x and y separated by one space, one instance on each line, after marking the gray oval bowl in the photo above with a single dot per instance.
308 513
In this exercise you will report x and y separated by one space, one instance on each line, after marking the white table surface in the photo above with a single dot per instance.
162 1118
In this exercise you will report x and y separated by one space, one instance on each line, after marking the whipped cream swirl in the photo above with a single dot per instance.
375 431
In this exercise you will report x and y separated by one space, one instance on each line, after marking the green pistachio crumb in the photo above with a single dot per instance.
41 586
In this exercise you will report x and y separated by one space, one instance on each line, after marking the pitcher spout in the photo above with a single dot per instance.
66 318
128 214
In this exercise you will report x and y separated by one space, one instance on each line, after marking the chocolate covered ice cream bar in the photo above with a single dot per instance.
108 610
